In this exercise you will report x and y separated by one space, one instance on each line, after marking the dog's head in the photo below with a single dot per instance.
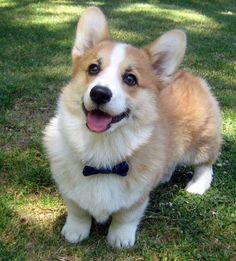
113 83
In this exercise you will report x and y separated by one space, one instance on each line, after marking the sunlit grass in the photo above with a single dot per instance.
229 123
174 13
54 15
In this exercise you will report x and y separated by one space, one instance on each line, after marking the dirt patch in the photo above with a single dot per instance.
25 123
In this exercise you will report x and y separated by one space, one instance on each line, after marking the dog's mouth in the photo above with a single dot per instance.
99 121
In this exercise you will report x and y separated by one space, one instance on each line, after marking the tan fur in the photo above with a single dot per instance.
193 120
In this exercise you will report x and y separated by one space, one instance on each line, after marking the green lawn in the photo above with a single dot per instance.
35 43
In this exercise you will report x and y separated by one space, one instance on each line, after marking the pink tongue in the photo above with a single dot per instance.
98 121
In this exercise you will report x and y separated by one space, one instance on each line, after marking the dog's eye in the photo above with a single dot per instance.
93 69
130 79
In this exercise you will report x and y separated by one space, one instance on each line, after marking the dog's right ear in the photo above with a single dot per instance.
92 28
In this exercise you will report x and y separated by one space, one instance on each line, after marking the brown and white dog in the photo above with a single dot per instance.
123 123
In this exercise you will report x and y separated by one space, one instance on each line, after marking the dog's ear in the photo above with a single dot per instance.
166 53
92 28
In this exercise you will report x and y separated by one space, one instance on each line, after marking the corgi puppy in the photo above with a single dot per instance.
123 123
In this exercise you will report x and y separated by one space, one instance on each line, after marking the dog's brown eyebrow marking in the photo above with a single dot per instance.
129 68
99 60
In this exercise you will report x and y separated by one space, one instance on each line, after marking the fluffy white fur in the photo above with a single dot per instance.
98 196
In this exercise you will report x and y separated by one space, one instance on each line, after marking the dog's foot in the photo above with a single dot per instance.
75 232
199 187
201 180
122 235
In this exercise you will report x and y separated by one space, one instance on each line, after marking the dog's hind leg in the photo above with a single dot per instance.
201 181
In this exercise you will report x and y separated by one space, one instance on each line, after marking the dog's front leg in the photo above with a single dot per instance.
122 231
78 223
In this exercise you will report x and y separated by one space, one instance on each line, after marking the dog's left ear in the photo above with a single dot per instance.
92 28
166 53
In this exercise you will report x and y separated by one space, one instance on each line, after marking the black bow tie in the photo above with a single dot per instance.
120 169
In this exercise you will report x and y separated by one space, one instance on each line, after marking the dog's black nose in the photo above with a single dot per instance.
100 94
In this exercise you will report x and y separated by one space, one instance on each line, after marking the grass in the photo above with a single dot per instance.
36 40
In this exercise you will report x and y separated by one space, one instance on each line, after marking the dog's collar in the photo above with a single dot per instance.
120 169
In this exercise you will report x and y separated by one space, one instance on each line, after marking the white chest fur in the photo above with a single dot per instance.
100 195
103 149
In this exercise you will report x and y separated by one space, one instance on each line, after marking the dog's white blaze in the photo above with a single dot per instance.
111 78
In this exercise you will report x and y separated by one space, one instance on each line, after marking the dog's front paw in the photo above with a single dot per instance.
122 236
75 233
